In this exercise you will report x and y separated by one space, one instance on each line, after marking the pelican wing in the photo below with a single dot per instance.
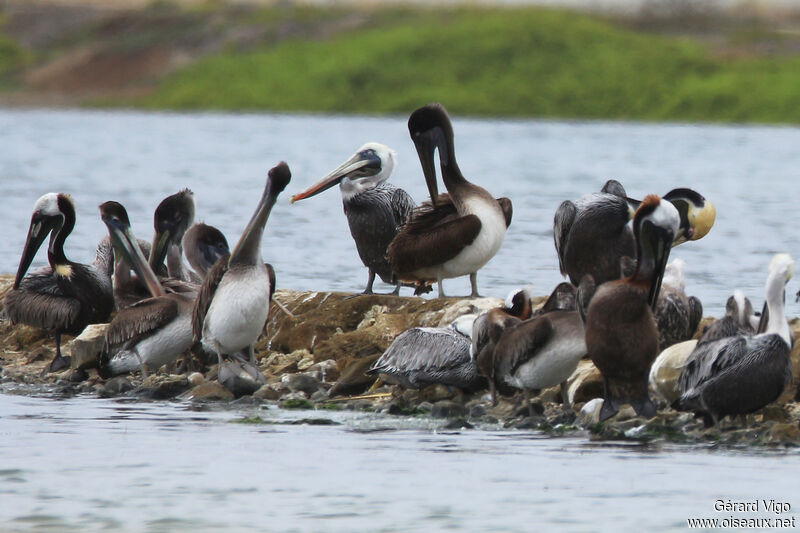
402 207
433 235
138 321
710 358
205 295
562 223
508 211
40 302
423 349
521 343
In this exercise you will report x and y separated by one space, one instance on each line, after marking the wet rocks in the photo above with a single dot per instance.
447 409
163 387
208 391
303 382
116 387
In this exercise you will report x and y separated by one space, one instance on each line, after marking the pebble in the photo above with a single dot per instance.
195 379
210 390
303 383
116 386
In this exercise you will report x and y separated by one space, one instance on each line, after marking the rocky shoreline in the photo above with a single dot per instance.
315 359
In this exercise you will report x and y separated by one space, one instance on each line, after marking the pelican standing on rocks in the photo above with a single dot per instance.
424 356
592 234
544 351
66 296
741 374
153 331
621 330
453 235
375 209
233 302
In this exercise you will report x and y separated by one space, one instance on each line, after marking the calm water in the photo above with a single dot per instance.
85 464
88 464
750 173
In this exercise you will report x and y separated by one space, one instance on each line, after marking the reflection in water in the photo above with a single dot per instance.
115 468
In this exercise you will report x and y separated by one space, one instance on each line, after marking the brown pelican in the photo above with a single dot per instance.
453 235
152 332
173 215
621 331
233 302
544 351
677 315
741 374
203 245
592 234
66 296
489 326
375 209
424 356
739 319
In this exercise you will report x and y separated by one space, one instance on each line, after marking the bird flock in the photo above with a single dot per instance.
186 299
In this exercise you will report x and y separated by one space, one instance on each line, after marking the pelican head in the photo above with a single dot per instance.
518 303
430 128
172 218
50 213
371 165
654 227
203 246
781 270
696 213
116 220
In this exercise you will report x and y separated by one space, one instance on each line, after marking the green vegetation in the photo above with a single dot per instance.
11 55
506 62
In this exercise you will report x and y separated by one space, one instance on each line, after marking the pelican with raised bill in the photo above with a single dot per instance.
453 234
741 374
592 234
66 296
152 332
375 209
233 302
621 330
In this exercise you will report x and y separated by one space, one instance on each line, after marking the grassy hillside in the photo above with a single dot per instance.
525 61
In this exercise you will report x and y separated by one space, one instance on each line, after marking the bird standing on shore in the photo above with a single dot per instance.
233 303
621 330
66 296
375 209
452 235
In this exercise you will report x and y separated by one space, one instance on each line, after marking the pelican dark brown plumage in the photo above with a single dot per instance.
66 296
451 235
621 331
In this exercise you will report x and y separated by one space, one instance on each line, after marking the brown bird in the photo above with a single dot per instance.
621 331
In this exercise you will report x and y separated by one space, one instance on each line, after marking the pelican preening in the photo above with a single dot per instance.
66 296
375 209
203 245
423 356
621 330
743 373
592 234
151 332
233 302
453 235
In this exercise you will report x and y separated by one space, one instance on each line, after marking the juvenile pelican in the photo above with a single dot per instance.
544 351
739 319
66 296
592 234
452 235
677 315
233 303
424 356
741 374
488 328
375 209
153 331
203 245
621 331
